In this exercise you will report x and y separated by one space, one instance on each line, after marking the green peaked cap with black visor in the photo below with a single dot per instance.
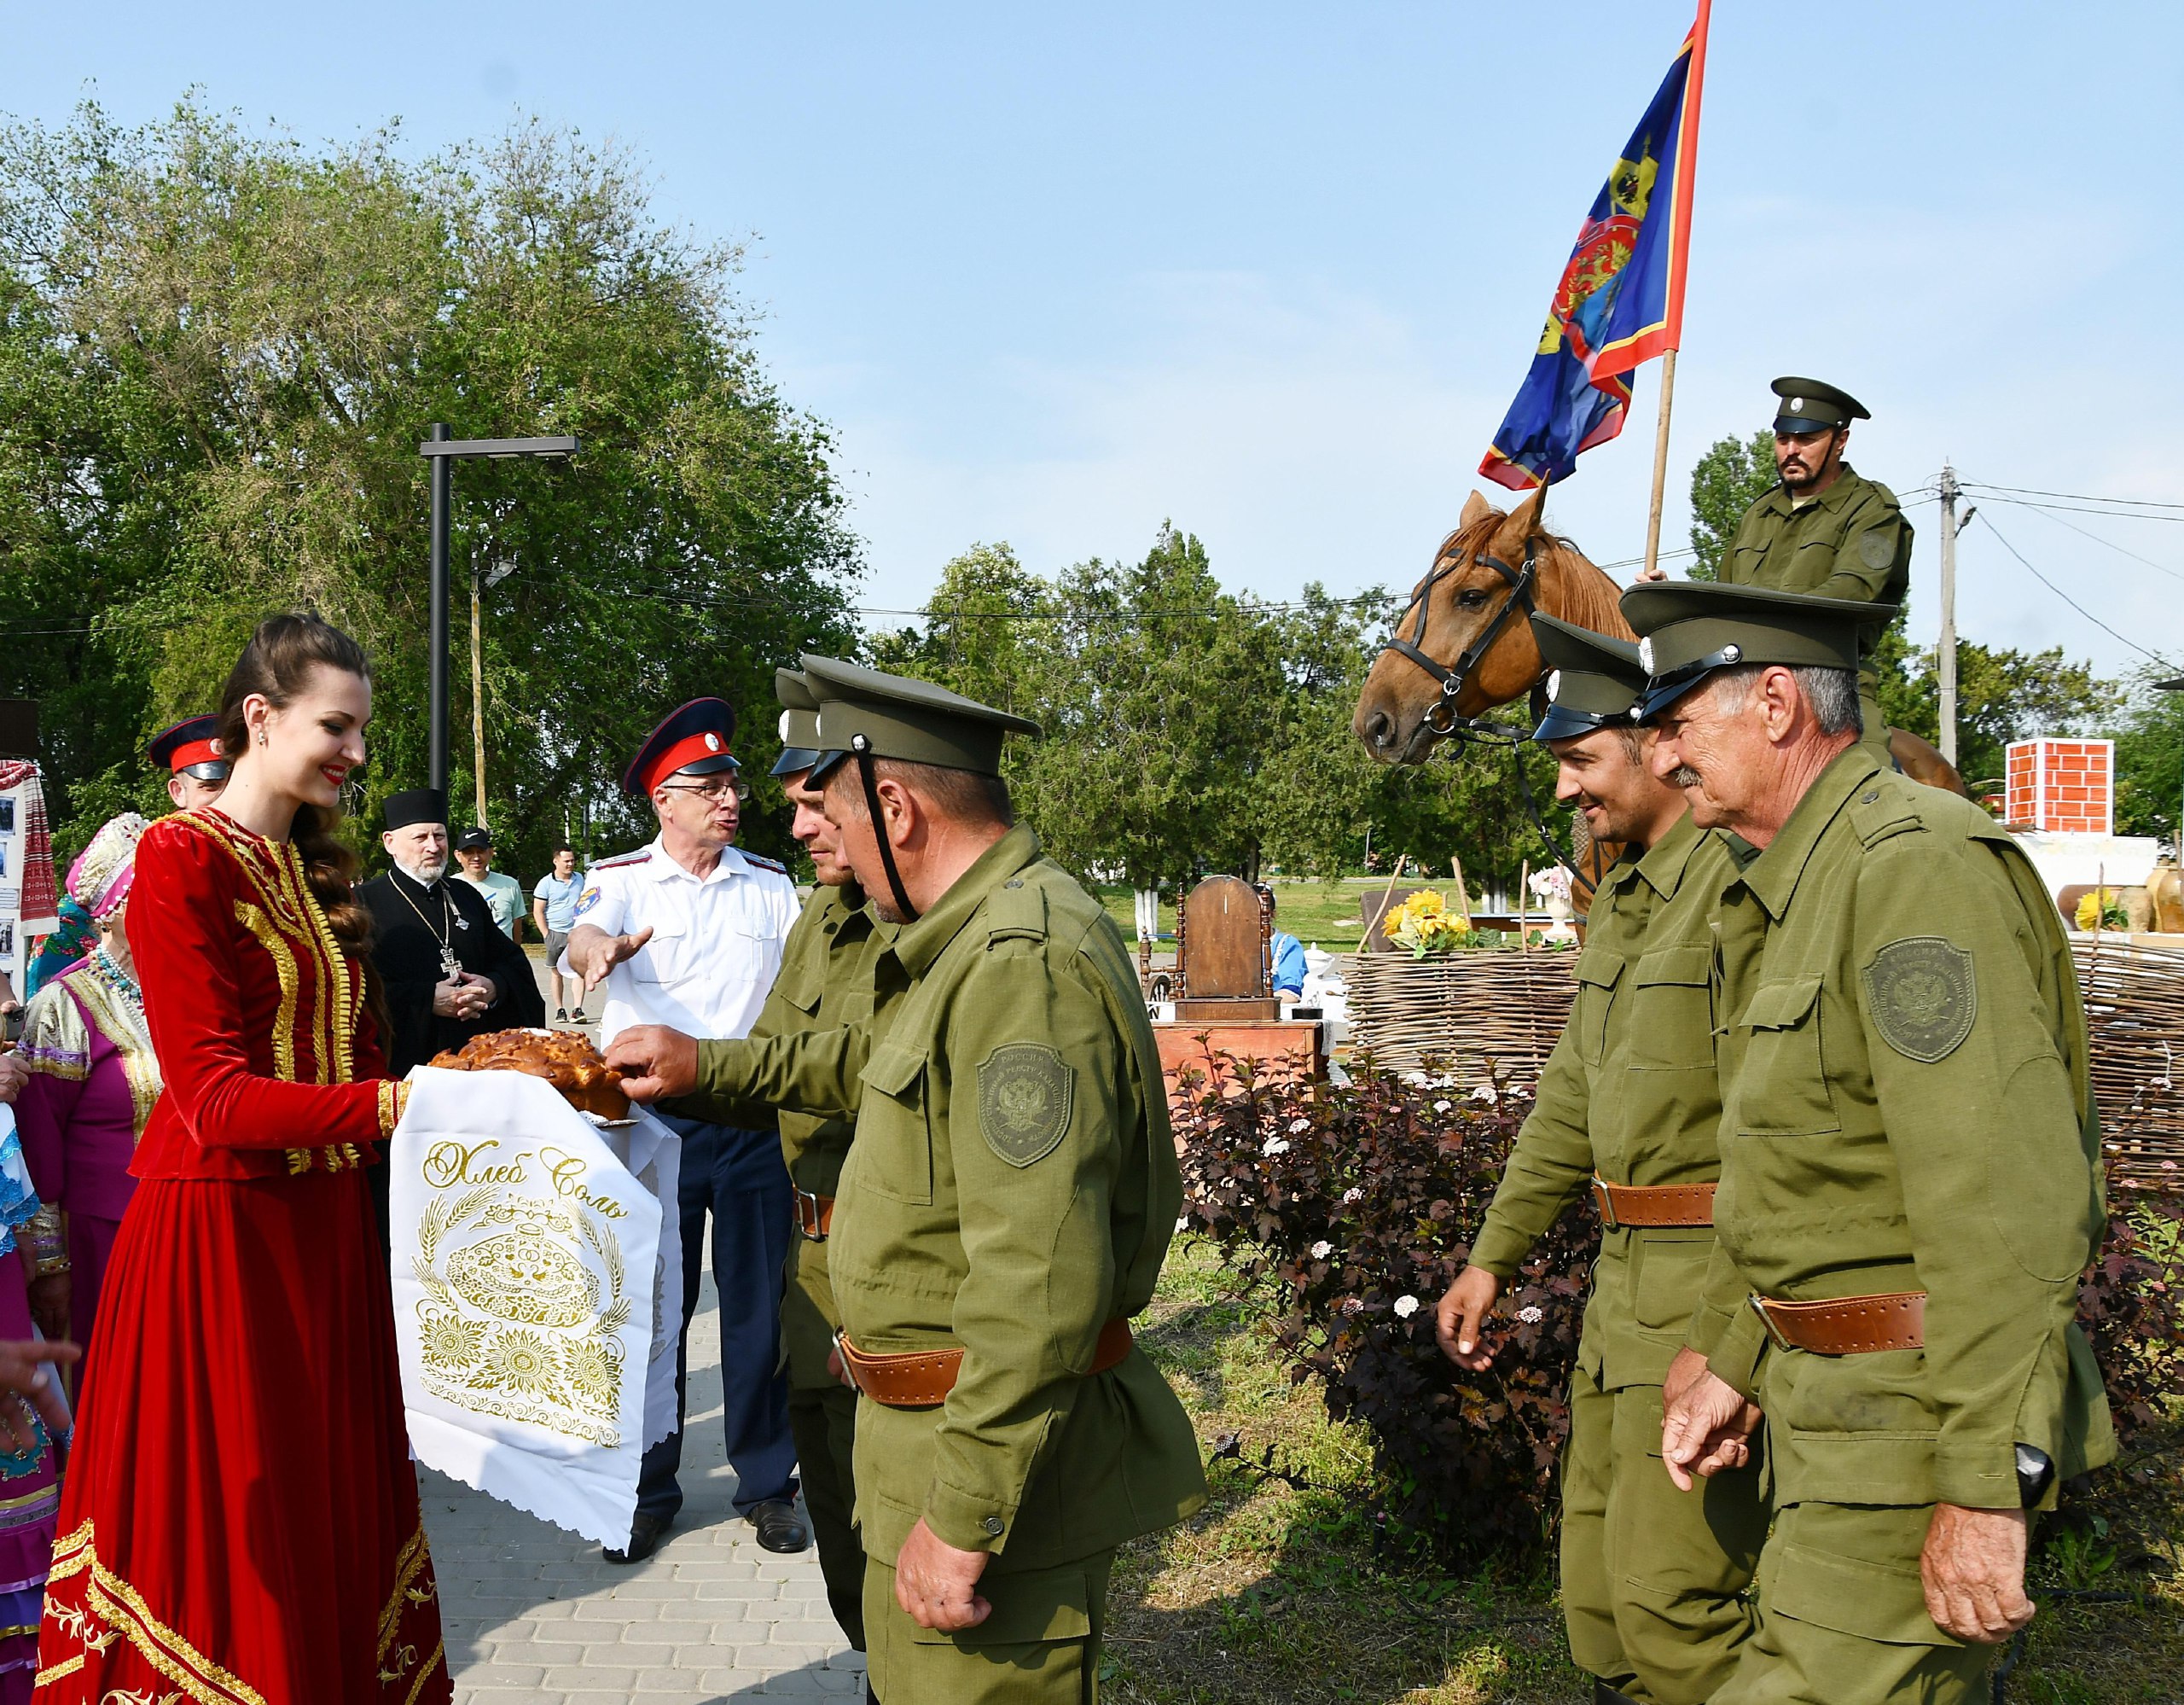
1593 679
866 712
799 723
866 715
1688 629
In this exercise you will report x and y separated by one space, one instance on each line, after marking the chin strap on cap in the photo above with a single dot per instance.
862 748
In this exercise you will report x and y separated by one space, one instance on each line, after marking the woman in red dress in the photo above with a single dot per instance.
240 1519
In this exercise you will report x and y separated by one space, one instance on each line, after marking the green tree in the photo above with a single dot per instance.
2149 736
1188 729
1732 475
218 353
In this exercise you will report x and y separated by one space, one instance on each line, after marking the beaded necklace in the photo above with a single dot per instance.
117 981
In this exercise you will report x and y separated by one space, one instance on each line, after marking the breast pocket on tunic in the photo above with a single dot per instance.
1599 970
666 958
1671 1011
894 1132
1781 1087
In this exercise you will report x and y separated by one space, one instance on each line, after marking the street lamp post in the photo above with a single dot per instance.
443 451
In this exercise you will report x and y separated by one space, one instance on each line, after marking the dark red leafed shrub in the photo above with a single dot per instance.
2131 1304
1360 1203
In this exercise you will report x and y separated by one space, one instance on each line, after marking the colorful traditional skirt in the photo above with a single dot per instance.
241 1520
30 1496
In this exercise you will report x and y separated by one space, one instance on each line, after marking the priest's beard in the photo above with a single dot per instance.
425 872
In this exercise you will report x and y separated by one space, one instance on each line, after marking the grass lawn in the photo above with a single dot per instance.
1325 912
1295 1597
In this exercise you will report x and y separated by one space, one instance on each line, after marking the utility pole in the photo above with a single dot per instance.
1945 658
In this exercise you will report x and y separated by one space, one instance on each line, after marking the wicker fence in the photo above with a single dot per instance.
1497 1014
2135 1007
1481 1014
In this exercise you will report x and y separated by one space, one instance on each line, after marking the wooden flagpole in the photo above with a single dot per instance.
1660 464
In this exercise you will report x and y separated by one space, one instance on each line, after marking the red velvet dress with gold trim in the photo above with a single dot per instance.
240 1519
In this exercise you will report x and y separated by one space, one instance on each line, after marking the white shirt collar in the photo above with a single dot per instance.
662 868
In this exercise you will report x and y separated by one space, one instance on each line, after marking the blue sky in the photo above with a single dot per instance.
1274 271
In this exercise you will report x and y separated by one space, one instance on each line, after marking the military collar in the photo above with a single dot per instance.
662 868
1664 863
1847 484
918 944
1773 875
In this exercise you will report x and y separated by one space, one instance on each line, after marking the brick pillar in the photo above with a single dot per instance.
2067 787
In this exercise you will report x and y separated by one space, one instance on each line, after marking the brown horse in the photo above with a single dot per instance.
1464 646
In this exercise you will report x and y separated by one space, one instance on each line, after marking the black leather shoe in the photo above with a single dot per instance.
646 1532
780 1528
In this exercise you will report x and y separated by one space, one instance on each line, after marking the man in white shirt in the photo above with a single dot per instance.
688 931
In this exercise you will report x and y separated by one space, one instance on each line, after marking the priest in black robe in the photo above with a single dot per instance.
448 971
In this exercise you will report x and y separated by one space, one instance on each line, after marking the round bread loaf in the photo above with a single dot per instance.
565 1058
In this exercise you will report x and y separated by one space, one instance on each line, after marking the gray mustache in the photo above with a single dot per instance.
1684 776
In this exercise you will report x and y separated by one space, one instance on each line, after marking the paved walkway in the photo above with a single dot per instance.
533 1617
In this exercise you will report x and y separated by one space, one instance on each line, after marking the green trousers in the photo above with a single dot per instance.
1041 1645
822 1420
1653 1580
1844 1618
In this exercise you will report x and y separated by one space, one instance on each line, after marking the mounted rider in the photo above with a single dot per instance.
1824 528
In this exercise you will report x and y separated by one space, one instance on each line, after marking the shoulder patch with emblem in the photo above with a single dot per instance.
588 898
1922 996
1876 547
1025 1095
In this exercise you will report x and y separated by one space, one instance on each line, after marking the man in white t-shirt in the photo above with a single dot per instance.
688 931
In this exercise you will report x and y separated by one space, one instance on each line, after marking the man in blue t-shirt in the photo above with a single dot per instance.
1285 951
554 910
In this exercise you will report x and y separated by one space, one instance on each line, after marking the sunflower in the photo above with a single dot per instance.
520 1361
591 1373
450 1341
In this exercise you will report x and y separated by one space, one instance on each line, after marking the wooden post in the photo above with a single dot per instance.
1380 917
1523 887
1660 465
1463 898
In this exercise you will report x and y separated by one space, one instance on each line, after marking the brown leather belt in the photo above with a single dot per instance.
815 1215
1847 1326
1649 1204
925 1378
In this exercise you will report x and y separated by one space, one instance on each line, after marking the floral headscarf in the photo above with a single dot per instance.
99 881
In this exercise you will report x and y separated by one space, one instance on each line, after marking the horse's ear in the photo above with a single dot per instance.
1523 522
1474 507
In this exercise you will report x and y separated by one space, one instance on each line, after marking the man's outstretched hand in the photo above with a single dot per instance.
1705 1427
656 1063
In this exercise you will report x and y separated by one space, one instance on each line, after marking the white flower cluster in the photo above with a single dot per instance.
1321 1250
1275 1145
1406 1306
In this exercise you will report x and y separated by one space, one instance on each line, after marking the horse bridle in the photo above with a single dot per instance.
1442 718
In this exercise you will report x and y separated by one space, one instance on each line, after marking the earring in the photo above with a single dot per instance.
261 736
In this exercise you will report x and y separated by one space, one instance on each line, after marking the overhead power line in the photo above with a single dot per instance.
2152 657
2075 497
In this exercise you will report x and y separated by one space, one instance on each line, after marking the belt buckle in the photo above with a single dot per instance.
1773 1332
1604 1199
849 1367
807 1216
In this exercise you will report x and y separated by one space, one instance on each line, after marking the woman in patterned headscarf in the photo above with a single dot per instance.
93 1081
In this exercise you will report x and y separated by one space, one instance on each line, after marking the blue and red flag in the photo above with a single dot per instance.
1620 300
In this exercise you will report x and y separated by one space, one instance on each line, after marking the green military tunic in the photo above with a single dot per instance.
1906 1106
1012 1188
1651 1577
1852 541
829 964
